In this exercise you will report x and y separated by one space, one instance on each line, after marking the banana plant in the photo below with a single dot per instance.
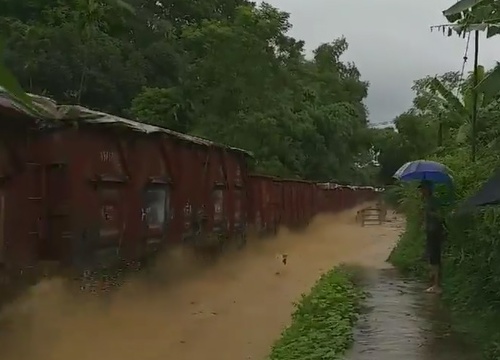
490 85
481 15
125 6
472 15
10 85
460 107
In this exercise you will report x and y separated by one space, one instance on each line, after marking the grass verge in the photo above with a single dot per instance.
407 254
322 324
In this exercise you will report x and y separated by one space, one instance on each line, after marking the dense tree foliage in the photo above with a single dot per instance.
222 69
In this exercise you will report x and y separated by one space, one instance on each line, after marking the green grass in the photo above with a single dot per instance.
322 324
407 254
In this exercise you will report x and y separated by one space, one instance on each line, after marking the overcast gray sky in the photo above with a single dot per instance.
389 40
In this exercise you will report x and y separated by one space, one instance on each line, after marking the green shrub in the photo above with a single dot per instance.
408 252
323 320
392 196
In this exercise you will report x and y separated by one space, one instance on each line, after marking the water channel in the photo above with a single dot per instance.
404 323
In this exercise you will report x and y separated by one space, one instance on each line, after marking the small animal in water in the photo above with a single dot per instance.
283 258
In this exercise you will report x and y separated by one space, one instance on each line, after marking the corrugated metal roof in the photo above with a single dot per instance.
270 177
362 187
49 110
329 185
42 107
296 180
333 185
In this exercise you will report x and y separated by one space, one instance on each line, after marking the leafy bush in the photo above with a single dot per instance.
392 196
323 320
407 255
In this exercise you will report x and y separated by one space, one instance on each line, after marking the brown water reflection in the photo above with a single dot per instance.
402 322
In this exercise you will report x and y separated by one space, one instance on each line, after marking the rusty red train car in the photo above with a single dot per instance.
95 195
89 190
369 193
309 204
212 194
330 197
350 197
96 190
168 188
265 203
298 202
281 202
335 197
21 188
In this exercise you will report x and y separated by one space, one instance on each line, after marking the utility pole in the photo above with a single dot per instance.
440 130
474 96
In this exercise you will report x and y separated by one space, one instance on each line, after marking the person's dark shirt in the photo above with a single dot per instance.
433 218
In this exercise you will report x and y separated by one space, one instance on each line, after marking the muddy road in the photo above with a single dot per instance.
232 310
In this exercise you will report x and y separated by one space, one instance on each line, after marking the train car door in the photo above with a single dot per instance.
34 213
55 246
156 215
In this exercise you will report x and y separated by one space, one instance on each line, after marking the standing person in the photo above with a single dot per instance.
435 233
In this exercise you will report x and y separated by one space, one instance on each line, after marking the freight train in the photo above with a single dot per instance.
88 190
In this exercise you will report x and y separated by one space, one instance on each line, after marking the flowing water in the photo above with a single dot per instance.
233 310
180 310
403 322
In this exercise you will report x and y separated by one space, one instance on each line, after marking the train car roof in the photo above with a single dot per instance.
48 112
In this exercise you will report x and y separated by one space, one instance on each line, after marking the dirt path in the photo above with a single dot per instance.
231 311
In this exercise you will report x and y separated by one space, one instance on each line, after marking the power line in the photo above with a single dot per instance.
465 60
461 73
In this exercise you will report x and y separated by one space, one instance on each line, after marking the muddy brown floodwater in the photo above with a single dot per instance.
233 310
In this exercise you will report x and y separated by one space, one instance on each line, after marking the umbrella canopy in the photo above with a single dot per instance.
424 170
488 194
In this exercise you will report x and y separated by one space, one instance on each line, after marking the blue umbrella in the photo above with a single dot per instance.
424 170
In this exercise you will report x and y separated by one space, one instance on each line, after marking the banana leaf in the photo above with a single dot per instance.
490 85
461 6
